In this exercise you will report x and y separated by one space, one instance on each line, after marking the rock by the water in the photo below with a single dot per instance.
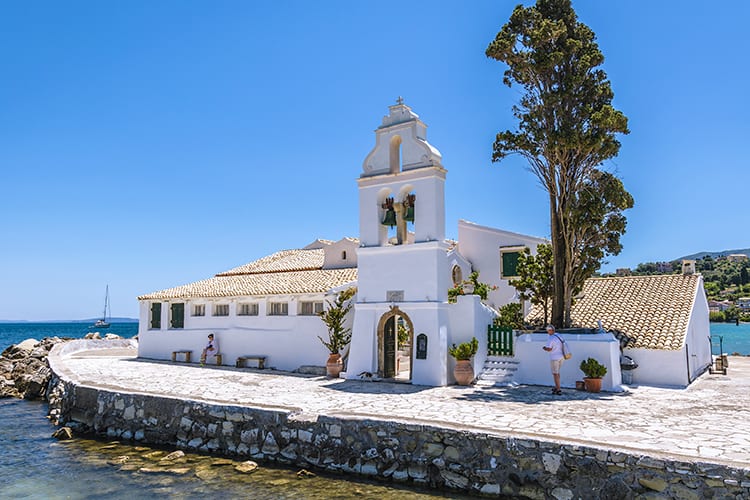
118 460
173 456
246 467
24 372
92 336
303 473
63 433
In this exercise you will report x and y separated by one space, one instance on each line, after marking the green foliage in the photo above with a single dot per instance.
591 368
566 129
535 277
722 279
464 350
717 316
334 317
403 334
511 316
597 223
478 288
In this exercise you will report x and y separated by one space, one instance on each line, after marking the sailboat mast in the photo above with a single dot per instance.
106 303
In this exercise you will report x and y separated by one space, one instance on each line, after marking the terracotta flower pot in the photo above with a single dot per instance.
463 372
593 384
334 365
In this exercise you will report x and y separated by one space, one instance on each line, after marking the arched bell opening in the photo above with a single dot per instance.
395 341
395 155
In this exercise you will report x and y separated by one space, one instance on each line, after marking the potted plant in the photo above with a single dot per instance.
464 372
471 286
593 371
339 336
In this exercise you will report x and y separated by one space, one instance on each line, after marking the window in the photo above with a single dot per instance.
247 309
343 255
221 309
199 309
509 262
177 315
310 308
156 315
278 309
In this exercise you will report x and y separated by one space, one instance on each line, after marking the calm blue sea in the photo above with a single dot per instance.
35 465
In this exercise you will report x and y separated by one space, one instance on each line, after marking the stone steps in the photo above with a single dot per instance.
498 371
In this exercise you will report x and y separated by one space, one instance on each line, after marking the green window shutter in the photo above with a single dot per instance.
156 315
510 263
178 315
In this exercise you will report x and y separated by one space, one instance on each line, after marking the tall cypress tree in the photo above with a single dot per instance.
566 124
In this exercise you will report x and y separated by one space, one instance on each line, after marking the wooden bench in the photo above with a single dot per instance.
242 361
186 353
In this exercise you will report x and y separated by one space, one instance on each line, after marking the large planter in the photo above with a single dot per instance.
334 365
463 372
592 384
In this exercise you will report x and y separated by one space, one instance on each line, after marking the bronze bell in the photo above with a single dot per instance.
409 215
390 218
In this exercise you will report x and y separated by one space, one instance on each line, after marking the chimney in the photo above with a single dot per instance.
688 267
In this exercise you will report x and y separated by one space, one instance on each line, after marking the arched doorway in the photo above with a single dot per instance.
395 341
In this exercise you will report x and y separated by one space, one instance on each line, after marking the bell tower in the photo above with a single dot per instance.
403 274
402 185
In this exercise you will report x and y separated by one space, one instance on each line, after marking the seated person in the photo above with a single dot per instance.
211 349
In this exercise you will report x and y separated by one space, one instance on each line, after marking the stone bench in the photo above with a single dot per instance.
187 354
242 361
219 358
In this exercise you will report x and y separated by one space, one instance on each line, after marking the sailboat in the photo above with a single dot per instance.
102 323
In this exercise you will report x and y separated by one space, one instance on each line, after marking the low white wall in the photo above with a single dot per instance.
288 341
534 367
468 317
659 367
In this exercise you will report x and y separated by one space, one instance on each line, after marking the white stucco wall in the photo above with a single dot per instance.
699 334
534 361
421 270
659 367
468 317
288 341
428 184
428 318
481 245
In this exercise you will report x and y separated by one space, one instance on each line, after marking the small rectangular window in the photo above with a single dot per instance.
156 315
199 309
509 262
310 308
247 309
221 309
177 313
278 309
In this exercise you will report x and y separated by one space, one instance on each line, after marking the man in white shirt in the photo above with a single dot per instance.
554 347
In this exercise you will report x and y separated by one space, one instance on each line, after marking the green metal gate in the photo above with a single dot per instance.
499 340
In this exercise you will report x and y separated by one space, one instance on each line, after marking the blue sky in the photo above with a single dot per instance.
150 144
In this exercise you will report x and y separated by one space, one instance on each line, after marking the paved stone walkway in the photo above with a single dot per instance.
709 421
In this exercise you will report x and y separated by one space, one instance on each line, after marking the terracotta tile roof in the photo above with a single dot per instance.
285 260
652 312
294 282
281 273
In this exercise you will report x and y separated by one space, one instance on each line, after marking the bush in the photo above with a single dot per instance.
464 350
591 368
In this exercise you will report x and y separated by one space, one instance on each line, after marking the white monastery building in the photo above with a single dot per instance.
402 266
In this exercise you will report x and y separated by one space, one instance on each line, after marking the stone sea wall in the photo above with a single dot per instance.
422 454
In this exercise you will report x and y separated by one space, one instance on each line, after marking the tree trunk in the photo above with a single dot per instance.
558 252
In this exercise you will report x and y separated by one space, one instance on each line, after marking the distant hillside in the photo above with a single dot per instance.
713 255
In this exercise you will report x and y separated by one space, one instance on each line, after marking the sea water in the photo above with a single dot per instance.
35 465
